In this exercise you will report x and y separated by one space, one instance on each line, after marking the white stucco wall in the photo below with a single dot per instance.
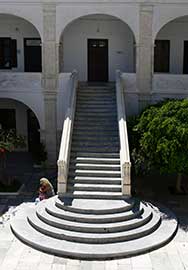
17 28
176 32
120 44
26 88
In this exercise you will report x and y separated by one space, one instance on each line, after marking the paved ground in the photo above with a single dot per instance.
16 256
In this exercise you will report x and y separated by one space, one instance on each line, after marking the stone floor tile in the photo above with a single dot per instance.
160 261
44 266
125 261
59 260
176 262
111 265
86 265
141 268
100 265
46 258
72 267
58 267
125 267
73 262
142 261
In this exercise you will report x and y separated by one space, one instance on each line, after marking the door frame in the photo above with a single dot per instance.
107 51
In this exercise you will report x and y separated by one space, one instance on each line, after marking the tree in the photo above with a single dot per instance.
161 139
9 140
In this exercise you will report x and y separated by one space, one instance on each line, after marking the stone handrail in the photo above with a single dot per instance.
124 144
65 146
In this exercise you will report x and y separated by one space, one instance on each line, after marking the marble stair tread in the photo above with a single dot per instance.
26 233
98 166
94 188
94 206
96 160
94 238
94 154
93 185
93 218
90 227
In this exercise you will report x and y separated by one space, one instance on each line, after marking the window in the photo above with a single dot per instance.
8 53
8 118
162 56
185 58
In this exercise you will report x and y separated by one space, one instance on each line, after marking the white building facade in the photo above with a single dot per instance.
42 42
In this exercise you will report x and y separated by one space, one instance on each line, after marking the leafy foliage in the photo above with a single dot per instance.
160 138
9 140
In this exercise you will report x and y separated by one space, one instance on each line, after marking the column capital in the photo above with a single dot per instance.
49 7
146 7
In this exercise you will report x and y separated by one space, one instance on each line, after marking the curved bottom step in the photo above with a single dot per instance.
104 251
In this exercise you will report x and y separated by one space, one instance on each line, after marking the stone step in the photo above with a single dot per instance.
96 106
96 91
96 122
95 99
54 211
89 195
102 110
95 154
94 133
91 138
90 149
97 114
93 187
93 143
100 126
96 119
96 207
96 238
93 173
89 166
58 247
95 180
94 227
95 102
96 160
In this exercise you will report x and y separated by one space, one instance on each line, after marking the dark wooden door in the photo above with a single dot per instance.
162 56
97 60
32 55
185 58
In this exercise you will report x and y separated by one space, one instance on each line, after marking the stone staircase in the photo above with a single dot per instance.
94 170
93 221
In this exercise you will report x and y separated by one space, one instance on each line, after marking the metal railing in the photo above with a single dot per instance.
65 146
124 144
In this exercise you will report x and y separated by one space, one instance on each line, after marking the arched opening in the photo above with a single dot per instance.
16 115
96 46
20 45
171 47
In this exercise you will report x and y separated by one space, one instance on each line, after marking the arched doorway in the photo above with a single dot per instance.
96 46
171 47
20 45
16 115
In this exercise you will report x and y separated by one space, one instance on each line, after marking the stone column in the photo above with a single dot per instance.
50 72
144 63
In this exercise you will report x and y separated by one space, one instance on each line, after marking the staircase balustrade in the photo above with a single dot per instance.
124 144
65 146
